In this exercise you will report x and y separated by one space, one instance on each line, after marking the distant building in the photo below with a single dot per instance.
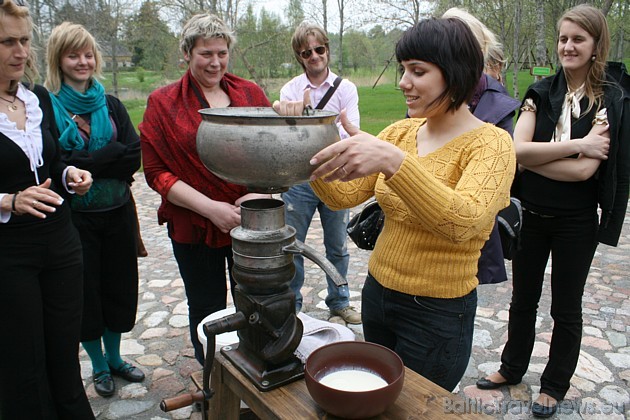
123 56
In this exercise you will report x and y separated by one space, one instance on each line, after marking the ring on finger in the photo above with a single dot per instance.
34 203
343 168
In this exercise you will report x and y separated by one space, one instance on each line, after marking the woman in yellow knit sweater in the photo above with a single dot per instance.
440 177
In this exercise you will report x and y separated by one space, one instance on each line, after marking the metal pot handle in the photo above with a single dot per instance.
299 247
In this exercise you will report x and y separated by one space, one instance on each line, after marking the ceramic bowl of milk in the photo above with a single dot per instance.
354 379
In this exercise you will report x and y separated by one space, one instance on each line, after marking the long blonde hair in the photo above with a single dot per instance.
9 8
66 37
593 21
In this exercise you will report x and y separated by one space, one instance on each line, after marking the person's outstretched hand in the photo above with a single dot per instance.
293 108
350 128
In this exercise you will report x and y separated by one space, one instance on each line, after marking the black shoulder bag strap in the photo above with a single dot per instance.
329 93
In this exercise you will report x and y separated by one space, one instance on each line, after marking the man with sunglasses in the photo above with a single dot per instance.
310 46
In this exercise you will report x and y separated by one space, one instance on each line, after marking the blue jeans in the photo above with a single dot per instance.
432 336
300 205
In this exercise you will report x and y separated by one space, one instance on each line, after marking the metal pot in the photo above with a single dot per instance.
260 149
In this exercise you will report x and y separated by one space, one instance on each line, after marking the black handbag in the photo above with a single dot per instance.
491 266
365 226
510 221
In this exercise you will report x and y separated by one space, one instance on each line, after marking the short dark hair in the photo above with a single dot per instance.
450 45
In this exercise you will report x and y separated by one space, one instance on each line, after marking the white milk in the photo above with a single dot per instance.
353 380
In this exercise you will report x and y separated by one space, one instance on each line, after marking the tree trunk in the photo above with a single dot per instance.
623 9
251 69
325 15
114 45
541 50
340 3
515 48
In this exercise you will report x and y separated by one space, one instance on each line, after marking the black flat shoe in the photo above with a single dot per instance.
542 411
484 383
103 384
128 372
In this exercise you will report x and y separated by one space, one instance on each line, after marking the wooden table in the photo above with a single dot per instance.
419 399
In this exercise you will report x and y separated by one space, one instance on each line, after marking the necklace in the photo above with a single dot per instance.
12 107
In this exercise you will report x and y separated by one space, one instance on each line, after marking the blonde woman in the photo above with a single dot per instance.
490 103
96 132
572 143
198 207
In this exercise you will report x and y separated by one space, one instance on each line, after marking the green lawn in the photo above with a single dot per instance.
135 108
379 107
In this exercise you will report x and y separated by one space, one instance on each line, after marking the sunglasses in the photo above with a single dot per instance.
306 54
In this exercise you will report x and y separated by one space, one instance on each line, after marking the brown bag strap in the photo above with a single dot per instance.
81 123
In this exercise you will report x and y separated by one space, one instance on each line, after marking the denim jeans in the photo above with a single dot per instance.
572 241
432 336
203 271
300 205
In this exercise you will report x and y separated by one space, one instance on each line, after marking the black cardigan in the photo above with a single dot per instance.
613 175
119 159
16 175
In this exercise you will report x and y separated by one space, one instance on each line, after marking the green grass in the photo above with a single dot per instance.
379 107
141 81
135 108
524 81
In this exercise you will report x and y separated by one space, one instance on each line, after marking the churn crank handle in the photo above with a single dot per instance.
170 404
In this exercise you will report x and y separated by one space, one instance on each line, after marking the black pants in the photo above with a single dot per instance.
572 243
110 270
203 272
41 297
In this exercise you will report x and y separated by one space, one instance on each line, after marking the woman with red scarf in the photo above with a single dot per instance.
199 208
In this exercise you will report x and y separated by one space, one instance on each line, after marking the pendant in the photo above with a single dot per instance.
12 107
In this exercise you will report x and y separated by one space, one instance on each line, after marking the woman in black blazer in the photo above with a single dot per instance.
41 281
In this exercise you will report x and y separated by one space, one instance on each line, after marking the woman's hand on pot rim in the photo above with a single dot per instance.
360 155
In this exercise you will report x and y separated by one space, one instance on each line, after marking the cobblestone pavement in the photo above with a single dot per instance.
160 345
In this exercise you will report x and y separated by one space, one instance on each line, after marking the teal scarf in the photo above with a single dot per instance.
91 102
105 193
